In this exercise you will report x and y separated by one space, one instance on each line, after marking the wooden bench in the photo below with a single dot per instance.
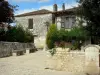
31 50
18 52
22 52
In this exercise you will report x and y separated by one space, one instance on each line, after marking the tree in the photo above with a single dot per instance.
51 36
6 12
90 11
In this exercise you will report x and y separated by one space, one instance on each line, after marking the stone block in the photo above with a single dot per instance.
14 54
27 51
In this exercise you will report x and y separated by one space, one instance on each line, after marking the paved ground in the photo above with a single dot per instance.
31 64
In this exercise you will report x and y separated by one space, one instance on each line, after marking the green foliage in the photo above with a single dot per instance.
90 12
6 11
17 34
50 43
75 37
51 36
77 33
62 35
2 34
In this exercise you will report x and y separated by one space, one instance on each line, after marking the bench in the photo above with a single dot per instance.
31 50
18 52
22 52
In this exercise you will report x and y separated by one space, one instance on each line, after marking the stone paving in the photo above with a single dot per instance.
30 64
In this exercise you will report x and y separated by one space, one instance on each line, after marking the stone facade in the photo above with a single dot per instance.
65 21
39 27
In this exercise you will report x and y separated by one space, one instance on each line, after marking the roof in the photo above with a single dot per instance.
38 12
70 11
44 11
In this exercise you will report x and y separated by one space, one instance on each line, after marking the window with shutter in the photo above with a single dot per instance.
70 21
30 23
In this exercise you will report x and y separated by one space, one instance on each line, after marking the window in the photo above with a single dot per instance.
70 21
30 23
73 20
67 22
62 25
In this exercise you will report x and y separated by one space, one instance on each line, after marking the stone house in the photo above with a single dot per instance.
38 21
65 18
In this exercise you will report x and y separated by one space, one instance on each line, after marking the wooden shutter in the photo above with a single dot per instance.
30 22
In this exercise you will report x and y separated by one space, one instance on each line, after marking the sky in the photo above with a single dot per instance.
33 5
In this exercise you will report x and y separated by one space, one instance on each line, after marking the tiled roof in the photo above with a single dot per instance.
67 10
43 11
70 11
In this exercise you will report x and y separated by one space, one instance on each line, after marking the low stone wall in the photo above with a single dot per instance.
7 48
68 61
86 61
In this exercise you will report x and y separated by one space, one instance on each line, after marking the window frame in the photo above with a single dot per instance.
30 23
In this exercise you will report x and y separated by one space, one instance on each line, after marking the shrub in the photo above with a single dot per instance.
2 34
17 34
62 35
50 44
51 36
20 35
77 33
77 36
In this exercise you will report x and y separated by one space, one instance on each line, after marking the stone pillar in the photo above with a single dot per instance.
45 48
82 48
27 51
14 54
92 59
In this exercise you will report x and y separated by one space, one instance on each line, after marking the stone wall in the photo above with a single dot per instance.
76 61
7 48
68 61
39 27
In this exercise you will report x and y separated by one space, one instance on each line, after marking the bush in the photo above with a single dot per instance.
51 36
62 35
17 34
76 33
75 37
2 34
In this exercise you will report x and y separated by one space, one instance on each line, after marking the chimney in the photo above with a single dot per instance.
55 7
63 6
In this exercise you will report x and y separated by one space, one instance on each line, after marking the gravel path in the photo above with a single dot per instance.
30 64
